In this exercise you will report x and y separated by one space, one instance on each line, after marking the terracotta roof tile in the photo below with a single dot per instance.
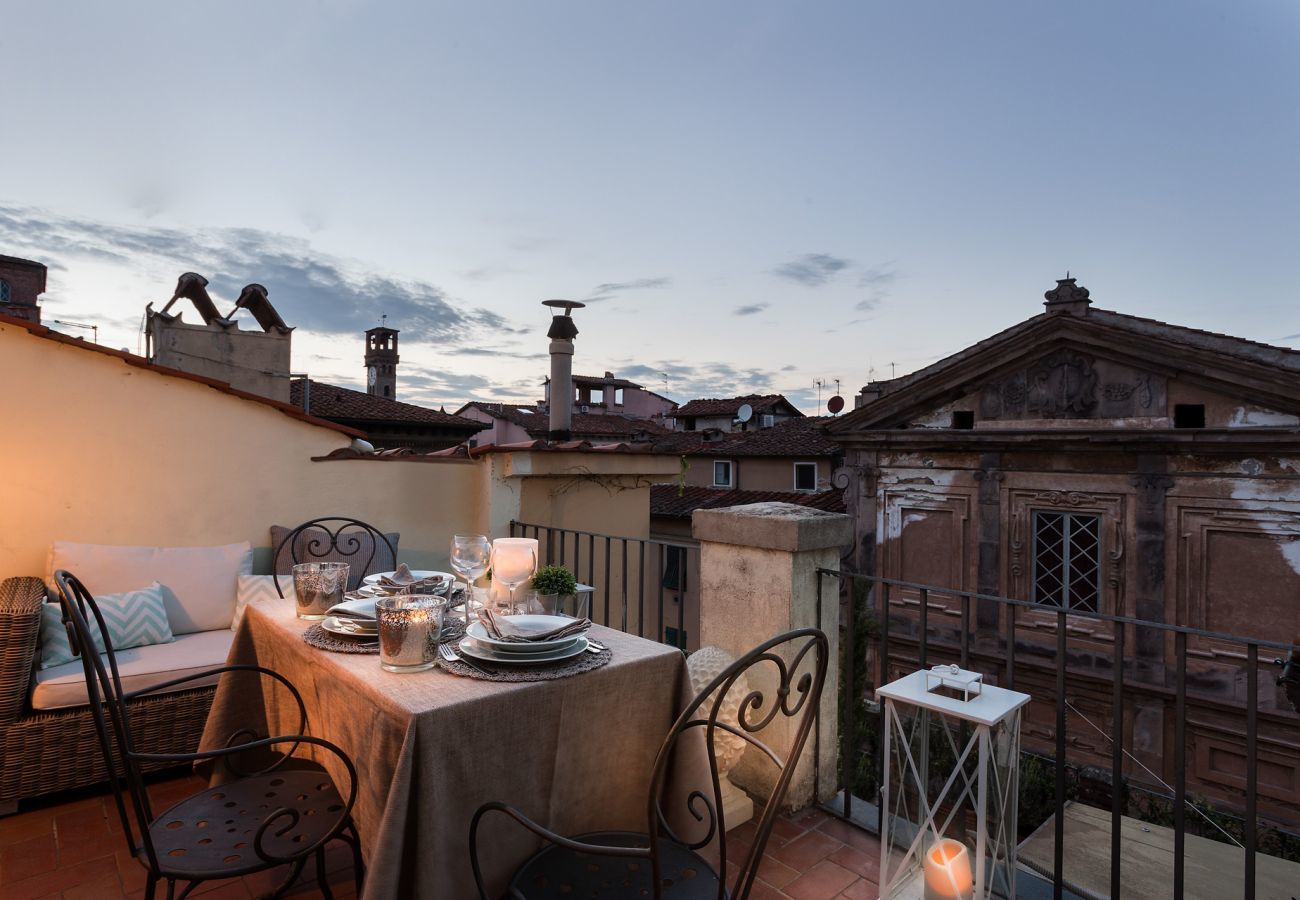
537 422
728 406
335 402
793 437
678 502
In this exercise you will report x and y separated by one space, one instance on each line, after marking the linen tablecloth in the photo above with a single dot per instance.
575 754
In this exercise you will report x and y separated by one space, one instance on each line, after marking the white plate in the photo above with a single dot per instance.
524 623
528 649
333 625
418 573
475 650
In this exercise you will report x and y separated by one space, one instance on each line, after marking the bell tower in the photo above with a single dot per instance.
381 362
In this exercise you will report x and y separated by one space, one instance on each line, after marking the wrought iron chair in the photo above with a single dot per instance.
661 863
336 538
265 818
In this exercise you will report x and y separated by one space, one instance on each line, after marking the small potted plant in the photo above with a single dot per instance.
555 587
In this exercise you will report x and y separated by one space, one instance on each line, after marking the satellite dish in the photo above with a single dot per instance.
745 413
835 404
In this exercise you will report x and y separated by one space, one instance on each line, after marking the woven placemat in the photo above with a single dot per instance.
583 662
318 637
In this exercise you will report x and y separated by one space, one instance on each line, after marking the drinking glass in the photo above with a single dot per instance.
514 561
409 628
469 558
319 587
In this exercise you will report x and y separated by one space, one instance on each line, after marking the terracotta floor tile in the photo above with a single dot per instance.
775 872
806 851
28 858
862 889
233 889
105 886
764 891
865 864
25 826
783 831
822 882
849 834
61 879
133 874
85 824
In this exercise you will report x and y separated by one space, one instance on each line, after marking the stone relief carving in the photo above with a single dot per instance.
1117 390
1144 393
1062 384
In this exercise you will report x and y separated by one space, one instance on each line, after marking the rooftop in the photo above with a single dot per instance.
798 437
335 402
729 405
680 501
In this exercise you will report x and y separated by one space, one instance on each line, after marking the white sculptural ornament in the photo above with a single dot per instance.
704 665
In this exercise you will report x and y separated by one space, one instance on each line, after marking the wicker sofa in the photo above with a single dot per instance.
44 752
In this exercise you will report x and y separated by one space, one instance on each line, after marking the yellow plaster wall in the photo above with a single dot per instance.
100 451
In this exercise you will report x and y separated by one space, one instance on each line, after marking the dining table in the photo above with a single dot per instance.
575 754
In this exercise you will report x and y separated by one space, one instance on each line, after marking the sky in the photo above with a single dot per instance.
751 197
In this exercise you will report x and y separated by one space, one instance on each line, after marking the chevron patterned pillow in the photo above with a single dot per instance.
134 619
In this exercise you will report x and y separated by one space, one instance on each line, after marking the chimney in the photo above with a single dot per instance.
562 332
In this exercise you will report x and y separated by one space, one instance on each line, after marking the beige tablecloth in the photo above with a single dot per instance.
574 754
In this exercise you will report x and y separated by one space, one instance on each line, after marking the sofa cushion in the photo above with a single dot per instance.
198 582
256 588
140 667
134 619
357 555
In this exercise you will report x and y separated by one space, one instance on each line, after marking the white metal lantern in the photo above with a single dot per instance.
952 751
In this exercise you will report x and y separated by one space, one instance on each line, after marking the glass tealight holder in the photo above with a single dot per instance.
409 628
319 587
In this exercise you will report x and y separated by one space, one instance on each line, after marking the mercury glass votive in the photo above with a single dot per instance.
319 587
409 627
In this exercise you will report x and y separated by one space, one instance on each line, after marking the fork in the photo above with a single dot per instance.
450 655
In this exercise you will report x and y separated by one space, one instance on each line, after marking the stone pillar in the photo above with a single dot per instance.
758 578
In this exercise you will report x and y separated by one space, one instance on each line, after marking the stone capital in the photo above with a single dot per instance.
773 526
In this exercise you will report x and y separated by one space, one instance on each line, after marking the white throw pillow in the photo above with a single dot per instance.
256 588
199 583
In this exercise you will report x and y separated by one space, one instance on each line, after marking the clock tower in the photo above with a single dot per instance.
381 362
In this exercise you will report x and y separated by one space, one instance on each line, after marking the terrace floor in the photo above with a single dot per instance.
72 847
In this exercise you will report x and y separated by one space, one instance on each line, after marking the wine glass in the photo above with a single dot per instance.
469 558
514 561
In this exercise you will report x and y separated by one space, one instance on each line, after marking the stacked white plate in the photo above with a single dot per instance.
478 644
418 574
350 626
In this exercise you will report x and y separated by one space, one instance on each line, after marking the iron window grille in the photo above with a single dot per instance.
1067 560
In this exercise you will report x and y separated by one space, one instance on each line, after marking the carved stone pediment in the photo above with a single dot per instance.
1062 384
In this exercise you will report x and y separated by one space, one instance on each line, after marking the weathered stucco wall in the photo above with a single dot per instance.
105 452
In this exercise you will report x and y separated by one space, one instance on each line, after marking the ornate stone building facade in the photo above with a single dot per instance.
1099 461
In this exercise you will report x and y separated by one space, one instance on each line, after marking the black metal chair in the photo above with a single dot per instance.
661 863
267 817
335 539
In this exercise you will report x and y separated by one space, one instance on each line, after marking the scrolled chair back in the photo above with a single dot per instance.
108 706
364 547
778 683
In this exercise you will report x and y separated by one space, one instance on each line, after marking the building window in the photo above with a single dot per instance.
386 390
1189 415
767 420
1067 560
963 419
805 476
675 569
618 396
690 423
4 291
723 474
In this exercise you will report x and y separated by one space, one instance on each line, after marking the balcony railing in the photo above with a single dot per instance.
641 586
893 627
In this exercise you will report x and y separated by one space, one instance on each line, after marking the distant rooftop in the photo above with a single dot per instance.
802 436
728 406
333 402
679 501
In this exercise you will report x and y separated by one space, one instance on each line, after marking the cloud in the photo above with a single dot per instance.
310 289
812 269
789 368
1289 337
611 289
877 280
750 310
688 380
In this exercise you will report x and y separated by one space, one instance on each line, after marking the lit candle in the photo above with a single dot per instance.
947 872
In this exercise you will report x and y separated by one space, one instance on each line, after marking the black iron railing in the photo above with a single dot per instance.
642 586
890 629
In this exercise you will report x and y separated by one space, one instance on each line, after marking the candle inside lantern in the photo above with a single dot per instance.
947 872
409 628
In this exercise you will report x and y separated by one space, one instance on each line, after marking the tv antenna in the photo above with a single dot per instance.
94 329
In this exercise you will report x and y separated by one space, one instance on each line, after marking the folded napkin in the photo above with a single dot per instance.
360 608
404 580
502 629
